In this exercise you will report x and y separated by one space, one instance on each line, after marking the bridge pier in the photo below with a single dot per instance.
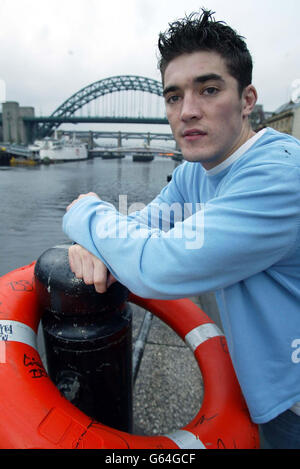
91 140
14 128
119 139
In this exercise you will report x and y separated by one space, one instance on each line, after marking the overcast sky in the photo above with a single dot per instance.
50 49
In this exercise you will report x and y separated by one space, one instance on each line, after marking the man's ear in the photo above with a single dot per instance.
249 98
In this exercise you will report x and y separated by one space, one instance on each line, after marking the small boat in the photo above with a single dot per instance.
177 157
22 161
14 154
142 156
108 155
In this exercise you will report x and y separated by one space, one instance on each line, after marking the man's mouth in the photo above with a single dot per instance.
193 134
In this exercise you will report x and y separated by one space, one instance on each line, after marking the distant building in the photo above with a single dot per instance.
285 119
257 116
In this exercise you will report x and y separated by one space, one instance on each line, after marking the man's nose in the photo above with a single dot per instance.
191 108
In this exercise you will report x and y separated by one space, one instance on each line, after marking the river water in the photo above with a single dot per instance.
33 199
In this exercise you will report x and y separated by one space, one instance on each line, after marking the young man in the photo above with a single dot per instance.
239 236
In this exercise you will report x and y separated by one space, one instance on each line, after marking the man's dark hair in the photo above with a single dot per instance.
200 32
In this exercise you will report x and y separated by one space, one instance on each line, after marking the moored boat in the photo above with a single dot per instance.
22 161
14 154
177 157
142 156
108 155
53 150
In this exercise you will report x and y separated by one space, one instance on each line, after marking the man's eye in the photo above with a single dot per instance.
172 99
210 91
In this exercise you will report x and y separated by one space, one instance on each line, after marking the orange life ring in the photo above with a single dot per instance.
35 415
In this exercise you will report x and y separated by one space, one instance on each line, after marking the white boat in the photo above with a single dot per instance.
52 150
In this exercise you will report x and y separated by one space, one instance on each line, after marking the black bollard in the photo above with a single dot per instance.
88 340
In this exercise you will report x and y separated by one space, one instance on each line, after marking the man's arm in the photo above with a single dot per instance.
245 230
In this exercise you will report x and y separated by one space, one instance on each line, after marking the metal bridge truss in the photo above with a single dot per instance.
119 135
124 98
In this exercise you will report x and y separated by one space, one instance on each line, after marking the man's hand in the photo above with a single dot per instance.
91 269
80 197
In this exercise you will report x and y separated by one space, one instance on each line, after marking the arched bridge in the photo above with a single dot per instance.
118 99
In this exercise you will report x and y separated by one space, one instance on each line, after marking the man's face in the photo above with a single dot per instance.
207 116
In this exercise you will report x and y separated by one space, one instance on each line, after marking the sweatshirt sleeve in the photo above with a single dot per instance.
251 225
